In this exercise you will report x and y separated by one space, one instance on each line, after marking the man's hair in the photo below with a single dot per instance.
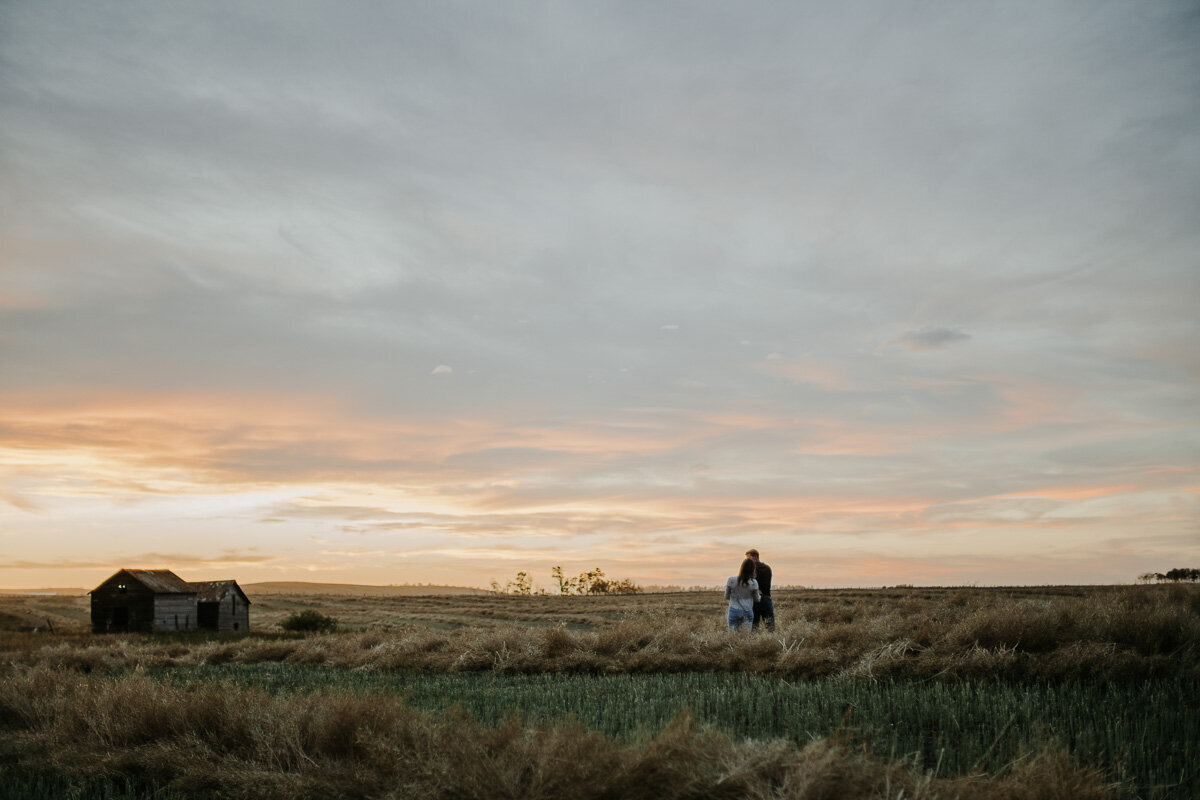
752 553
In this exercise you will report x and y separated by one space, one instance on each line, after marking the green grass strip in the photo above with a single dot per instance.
1143 734
23 784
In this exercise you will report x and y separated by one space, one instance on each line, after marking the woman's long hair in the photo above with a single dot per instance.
746 572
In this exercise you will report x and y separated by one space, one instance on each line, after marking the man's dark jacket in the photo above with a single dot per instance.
762 573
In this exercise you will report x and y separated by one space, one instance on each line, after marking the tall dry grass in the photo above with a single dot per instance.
1118 633
223 741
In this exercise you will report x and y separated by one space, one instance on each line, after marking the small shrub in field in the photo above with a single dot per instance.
309 621
557 642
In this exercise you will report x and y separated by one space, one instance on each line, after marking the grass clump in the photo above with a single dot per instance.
309 621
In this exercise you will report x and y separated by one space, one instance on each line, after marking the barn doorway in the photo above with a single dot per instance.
120 619
208 616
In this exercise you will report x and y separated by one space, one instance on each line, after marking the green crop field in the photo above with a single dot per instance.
1144 734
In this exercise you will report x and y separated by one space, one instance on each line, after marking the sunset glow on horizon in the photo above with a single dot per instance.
400 293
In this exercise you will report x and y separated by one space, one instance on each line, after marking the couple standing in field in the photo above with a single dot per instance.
749 595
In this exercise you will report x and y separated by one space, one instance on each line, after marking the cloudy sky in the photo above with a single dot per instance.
435 292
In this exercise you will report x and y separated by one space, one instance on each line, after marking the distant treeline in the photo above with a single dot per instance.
585 583
1177 574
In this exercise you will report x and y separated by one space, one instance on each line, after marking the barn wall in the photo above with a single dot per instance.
235 613
108 600
138 609
175 612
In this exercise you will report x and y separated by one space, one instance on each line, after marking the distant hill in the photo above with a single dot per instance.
302 587
68 592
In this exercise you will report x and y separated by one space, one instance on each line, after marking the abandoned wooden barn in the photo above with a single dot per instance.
150 600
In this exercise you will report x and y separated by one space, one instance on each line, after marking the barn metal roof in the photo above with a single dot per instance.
162 581
212 591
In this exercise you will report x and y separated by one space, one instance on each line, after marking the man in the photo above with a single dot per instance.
764 611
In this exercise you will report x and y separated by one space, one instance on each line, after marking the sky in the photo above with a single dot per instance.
400 292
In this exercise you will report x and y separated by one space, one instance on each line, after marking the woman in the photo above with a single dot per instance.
741 591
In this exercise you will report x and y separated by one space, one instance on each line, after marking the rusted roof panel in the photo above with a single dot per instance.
162 581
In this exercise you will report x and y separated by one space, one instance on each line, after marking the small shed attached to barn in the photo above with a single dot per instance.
222 606
152 600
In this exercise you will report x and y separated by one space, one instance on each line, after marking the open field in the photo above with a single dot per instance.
351 589
68 609
966 692
1052 632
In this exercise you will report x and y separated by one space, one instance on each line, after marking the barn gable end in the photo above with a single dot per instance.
143 600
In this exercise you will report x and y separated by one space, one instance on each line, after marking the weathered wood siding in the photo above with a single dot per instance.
122 604
235 614
175 612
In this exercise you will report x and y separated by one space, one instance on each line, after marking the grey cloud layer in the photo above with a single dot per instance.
620 211
596 173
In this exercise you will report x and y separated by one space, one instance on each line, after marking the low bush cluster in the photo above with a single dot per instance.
309 621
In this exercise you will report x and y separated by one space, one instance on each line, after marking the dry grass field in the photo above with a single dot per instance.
270 714
1041 632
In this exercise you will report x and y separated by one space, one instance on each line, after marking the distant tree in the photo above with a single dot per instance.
1183 574
565 584
596 582
1151 577
522 584
590 582
623 586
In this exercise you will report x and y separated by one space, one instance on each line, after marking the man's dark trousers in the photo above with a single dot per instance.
764 614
